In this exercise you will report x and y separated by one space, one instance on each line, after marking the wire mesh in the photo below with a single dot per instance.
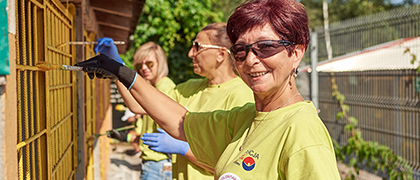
386 105
355 34
385 102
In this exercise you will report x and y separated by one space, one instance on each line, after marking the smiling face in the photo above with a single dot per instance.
269 76
148 73
204 61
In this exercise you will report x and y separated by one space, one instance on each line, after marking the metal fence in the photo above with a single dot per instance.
47 110
362 32
385 102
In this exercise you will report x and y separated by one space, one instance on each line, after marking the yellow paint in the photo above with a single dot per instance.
47 67
46 96
45 113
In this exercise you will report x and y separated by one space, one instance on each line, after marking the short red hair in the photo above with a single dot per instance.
288 18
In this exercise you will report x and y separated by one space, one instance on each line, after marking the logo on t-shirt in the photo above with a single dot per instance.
229 176
248 160
248 163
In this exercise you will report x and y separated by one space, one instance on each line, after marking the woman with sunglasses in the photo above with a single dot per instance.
280 136
150 62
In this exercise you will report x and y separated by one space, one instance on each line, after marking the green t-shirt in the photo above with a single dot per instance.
198 96
147 125
288 143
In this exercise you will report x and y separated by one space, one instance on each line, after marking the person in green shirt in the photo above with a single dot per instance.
150 62
280 136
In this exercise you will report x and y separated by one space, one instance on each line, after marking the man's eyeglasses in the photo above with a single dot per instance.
149 64
262 49
197 46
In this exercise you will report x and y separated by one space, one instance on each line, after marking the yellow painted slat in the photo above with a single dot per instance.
57 14
66 152
31 125
26 124
23 31
45 98
37 4
48 110
60 123
54 49
30 140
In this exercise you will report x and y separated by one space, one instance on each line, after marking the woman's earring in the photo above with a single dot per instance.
295 74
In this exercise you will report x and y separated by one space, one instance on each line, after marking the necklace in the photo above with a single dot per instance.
240 149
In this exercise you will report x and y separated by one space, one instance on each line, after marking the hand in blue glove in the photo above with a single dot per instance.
104 67
163 142
106 46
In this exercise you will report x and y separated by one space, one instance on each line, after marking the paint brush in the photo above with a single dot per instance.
85 42
129 127
47 67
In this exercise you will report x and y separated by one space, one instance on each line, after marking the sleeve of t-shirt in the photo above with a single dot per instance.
208 135
315 162
171 92
311 153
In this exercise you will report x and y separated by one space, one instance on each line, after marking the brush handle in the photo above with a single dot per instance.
84 42
71 68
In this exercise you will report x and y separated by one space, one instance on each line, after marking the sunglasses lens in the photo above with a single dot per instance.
196 46
137 66
149 64
265 49
239 52
262 49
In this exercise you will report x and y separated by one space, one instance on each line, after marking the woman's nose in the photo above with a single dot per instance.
251 58
144 66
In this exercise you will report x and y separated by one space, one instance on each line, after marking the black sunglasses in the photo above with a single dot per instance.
262 49
149 64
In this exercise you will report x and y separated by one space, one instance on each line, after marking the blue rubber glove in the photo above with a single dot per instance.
106 46
163 142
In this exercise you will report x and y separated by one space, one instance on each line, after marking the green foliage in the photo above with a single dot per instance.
374 155
227 7
173 24
413 58
343 9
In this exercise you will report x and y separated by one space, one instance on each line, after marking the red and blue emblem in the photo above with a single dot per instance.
248 163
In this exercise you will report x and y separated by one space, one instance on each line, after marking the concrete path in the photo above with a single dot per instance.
124 165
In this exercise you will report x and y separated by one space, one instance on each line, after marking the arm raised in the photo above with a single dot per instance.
167 113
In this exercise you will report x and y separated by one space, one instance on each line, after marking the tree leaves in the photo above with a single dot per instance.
173 24
344 9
